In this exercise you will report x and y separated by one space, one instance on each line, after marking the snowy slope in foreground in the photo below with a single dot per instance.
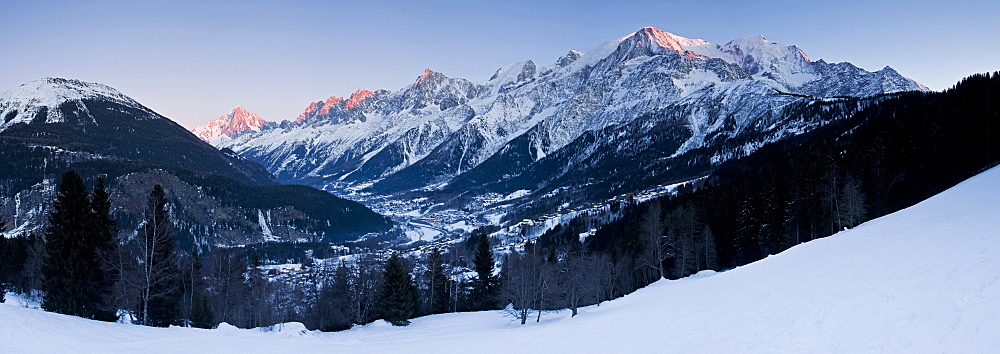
924 279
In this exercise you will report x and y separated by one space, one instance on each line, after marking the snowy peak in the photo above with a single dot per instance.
648 42
57 100
788 68
427 73
320 108
356 98
761 48
329 104
236 122
892 80
651 36
569 58
430 81
755 54
52 91
311 110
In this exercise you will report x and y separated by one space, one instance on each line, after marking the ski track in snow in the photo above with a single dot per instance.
924 279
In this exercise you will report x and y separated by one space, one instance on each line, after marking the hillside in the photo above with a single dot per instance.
922 279
52 125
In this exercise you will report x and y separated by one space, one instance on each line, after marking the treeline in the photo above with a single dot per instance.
889 156
81 268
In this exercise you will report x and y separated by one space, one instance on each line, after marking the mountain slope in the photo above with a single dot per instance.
221 198
923 279
555 130
100 121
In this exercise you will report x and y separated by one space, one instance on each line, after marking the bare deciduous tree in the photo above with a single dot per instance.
580 280
852 204
365 290
655 242
160 276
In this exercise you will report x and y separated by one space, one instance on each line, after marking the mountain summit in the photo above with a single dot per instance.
652 38
236 122
58 100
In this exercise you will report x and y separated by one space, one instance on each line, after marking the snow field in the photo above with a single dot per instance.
925 279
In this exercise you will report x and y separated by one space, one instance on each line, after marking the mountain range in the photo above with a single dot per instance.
634 114
641 111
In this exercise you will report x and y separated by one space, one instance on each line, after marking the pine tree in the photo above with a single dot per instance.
201 312
255 261
398 300
334 302
484 287
4 251
438 283
161 291
68 265
201 315
77 278
25 256
103 241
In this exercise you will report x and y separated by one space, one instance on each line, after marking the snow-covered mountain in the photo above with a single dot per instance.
651 107
237 122
53 125
58 100
921 280
106 124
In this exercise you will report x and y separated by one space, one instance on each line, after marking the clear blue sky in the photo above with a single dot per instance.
194 61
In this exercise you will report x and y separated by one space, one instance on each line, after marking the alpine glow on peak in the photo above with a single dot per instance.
236 122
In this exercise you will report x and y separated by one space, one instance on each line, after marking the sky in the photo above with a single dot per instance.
193 61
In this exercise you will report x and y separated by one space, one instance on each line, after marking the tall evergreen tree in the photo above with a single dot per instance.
398 300
201 312
105 245
22 263
80 237
4 251
201 315
161 291
484 287
71 271
334 302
